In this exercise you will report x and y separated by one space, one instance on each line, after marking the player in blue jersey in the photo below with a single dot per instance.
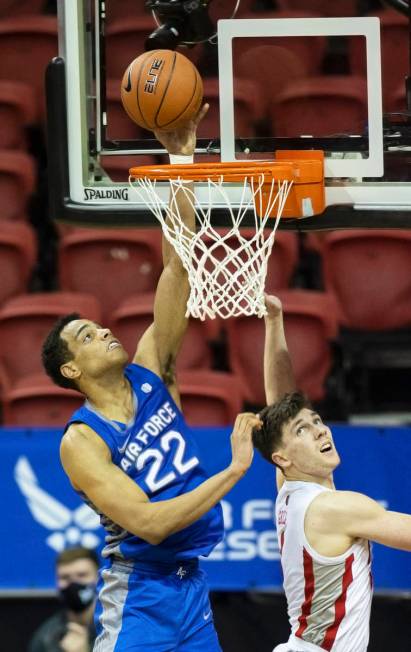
130 454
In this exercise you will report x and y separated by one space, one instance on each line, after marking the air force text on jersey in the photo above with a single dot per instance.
135 444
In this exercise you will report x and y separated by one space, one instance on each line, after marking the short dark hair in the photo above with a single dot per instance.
269 438
72 554
56 352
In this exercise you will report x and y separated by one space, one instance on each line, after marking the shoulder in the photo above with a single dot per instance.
80 448
330 509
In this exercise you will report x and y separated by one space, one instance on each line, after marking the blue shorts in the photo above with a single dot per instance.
154 607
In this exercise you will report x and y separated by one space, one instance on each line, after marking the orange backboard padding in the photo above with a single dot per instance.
305 169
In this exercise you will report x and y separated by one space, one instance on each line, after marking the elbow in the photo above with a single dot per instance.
153 531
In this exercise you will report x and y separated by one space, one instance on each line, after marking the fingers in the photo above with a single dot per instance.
200 115
246 422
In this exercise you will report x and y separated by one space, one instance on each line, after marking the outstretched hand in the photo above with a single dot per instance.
183 140
241 441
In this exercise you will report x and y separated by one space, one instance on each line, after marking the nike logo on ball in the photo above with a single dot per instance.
128 87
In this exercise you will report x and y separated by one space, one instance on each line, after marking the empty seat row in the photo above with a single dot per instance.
209 398
368 271
213 397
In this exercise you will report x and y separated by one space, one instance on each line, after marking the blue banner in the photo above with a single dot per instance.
42 515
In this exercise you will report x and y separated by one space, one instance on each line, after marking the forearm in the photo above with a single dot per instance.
170 516
278 372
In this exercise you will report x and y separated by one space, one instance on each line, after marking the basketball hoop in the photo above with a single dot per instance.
226 270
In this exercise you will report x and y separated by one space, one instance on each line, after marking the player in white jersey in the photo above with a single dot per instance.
323 533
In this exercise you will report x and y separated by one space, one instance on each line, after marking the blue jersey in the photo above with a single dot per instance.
157 450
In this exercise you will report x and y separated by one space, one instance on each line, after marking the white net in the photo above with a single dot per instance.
226 268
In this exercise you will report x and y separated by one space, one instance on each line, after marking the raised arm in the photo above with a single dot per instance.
352 515
278 372
158 347
87 461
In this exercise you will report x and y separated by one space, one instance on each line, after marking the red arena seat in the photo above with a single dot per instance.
277 67
18 251
28 318
125 39
125 9
321 7
17 111
135 315
309 49
36 401
117 167
17 184
369 273
310 324
21 35
209 398
112 264
394 52
10 8
321 106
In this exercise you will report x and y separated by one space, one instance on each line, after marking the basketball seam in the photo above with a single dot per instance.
138 87
165 92
188 103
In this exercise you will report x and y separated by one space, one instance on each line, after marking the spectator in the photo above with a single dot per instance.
71 629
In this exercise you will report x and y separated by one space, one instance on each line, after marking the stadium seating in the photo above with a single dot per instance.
310 325
25 322
125 39
112 264
209 398
309 49
247 108
125 9
277 67
135 315
36 401
397 102
321 106
36 35
117 167
369 273
394 52
17 257
321 7
10 8
17 111
17 184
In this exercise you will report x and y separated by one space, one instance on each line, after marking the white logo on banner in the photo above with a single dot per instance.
69 528
248 543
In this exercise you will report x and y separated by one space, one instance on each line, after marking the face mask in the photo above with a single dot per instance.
77 597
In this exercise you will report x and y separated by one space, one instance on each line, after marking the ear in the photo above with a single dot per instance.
280 460
70 370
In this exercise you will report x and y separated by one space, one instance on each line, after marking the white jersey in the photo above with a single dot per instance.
328 598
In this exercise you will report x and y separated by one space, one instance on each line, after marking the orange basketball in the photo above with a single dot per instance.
161 89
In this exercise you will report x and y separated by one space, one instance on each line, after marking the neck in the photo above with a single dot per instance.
297 476
111 395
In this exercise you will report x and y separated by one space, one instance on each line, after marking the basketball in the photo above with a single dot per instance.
161 89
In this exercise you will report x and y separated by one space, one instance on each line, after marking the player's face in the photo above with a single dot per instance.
81 571
95 349
308 445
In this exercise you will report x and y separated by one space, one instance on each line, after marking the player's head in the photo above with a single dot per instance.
294 438
77 350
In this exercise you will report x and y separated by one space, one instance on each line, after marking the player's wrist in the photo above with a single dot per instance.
181 158
237 470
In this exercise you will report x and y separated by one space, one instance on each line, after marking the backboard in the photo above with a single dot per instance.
273 80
